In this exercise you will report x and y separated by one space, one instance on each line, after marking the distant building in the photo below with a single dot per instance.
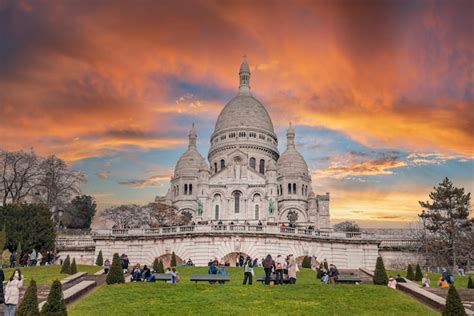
244 177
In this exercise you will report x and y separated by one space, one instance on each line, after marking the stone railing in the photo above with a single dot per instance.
74 241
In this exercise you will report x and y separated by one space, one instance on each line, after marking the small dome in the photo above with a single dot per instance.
190 162
244 67
291 162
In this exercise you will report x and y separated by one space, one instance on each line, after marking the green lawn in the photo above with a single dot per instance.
308 297
459 281
47 274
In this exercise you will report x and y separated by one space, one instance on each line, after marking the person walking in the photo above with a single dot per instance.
268 265
33 258
292 269
279 267
13 259
248 271
12 293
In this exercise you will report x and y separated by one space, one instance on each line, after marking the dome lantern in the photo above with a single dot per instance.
192 137
244 75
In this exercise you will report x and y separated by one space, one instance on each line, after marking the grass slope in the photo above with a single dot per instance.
47 274
308 297
459 281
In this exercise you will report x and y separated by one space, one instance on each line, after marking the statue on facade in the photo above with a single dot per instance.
200 208
271 207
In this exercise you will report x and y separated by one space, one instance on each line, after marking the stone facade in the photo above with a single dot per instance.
245 178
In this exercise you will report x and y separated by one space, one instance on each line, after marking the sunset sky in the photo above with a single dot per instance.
381 93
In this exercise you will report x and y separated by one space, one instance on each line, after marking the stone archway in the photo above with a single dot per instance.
166 259
299 260
233 257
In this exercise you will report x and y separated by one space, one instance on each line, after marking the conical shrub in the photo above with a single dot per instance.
158 266
66 267
306 262
380 275
173 260
100 260
73 269
410 274
115 274
454 305
418 273
29 304
470 284
55 304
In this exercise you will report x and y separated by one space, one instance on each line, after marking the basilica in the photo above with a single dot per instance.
245 179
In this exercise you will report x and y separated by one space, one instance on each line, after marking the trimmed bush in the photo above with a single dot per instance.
66 268
454 305
380 275
418 273
306 262
55 304
115 274
158 266
326 265
29 303
173 260
73 269
410 274
470 284
100 260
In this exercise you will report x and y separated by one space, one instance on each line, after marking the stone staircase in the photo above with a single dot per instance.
467 295
366 279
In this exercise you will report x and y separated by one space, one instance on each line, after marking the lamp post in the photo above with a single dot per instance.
424 216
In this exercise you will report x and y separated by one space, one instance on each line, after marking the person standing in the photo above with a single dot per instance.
12 293
2 278
268 265
248 271
292 267
106 266
12 259
279 267
33 258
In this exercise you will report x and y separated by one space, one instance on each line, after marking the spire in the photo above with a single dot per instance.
290 135
244 75
192 137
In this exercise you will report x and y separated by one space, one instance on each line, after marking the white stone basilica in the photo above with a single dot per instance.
247 179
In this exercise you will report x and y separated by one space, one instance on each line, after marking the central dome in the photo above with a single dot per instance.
244 111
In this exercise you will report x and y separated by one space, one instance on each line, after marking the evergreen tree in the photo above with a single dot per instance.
29 303
326 265
173 260
446 217
3 238
418 273
410 274
66 268
115 274
161 268
306 262
470 284
18 254
55 304
318 270
380 275
73 269
100 260
454 305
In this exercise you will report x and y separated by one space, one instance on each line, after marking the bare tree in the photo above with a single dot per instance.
127 216
167 215
58 183
20 175
347 226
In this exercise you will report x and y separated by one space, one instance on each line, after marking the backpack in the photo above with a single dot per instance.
450 279
268 263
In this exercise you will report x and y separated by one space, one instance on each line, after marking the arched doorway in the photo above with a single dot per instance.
166 259
233 257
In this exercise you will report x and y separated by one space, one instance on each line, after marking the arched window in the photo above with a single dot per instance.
294 188
261 166
190 189
185 189
216 213
177 190
215 167
222 163
302 189
252 163
257 212
237 196
281 189
289 188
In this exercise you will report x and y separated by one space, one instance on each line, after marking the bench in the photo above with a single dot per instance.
162 277
348 279
261 278
209 278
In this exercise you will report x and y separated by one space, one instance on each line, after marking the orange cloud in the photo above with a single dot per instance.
154 181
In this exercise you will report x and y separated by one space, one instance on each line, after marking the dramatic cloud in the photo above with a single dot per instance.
154 181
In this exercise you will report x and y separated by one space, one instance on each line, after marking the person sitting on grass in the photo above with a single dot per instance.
147 276
324 277
333 274
425 281
136 273
442 283
392 282
399 279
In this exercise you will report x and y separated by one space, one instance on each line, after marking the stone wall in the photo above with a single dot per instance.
400 259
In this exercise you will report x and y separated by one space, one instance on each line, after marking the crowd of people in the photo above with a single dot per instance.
283 269
30 259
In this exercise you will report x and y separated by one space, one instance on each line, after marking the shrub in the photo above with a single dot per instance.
29 304
100 259
326 265
55 304
173 260
380 275
66 268
410 274
470 284
158 266
73 269
306 262
115 274
454 305
418 273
